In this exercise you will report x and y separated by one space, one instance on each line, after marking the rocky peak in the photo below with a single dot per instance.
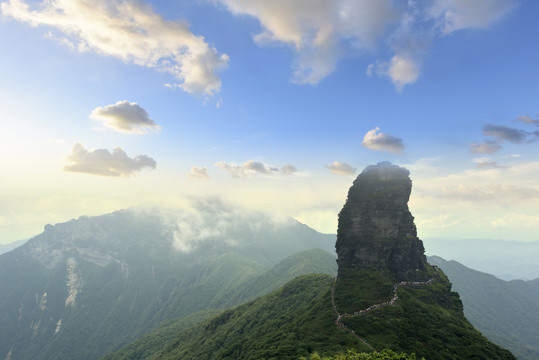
376 229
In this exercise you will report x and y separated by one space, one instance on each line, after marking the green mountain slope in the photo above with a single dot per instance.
309 261
299 319
506 312
385 295
92 285
293 321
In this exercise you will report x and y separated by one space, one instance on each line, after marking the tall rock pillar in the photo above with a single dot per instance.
376 229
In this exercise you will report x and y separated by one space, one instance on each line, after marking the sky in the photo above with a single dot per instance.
273 105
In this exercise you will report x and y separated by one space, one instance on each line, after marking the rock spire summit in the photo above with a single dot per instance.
376 229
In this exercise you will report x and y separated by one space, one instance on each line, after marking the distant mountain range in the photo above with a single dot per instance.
91 285
507 260
506 312
385 295
140 277
4 248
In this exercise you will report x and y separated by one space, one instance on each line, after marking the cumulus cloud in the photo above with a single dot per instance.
379 141
200 173
103 162
132 32
341 168
251 168
402 70
125 116
318 30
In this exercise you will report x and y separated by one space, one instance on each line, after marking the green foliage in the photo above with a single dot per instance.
307 261
428 321
352 354
290 322
373 286
298 321
132 280
506 312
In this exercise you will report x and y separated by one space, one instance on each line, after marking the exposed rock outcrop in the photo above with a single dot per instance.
376 229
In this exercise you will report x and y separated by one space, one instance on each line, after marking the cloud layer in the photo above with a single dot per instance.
132 32
379 141
103 162
125 116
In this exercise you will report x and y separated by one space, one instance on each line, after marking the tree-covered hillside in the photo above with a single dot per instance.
506 312
299 319
92 285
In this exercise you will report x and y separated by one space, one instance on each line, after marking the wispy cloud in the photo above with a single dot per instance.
289 169
528 120
133 32
251 168
501 133
453 15
341 168
486 163
488 147
125 116
376 140
103 162
505 133
423 23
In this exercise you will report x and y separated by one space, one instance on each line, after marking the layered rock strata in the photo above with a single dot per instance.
376 229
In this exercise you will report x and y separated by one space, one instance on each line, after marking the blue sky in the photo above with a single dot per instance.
270 104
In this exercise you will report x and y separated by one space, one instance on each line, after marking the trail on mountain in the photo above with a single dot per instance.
395 297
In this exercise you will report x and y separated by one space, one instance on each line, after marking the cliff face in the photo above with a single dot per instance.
376 229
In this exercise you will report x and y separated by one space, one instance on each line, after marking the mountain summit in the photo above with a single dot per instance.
376 229
386 296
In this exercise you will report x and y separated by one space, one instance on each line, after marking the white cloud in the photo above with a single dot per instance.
341 168
132 32
200 173
126 117
423 23
318 30
251 168
400 69
456 15
379 141
103 162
